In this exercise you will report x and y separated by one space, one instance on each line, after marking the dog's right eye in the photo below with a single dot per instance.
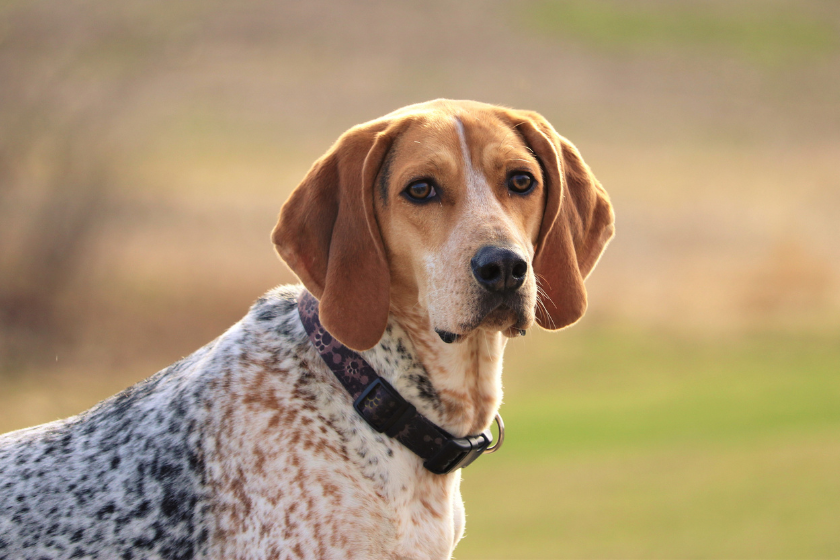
521 182
420 190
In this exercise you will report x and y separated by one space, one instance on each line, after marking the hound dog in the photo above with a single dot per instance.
429 236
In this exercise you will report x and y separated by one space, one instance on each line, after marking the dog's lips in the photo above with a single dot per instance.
494 313
500 312
449 337
501 318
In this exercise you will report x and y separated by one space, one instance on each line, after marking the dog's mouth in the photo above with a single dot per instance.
507 315
449 337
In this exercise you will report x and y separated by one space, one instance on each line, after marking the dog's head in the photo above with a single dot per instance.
480 216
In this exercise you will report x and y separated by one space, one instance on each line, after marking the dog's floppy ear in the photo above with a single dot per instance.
328 235
577 224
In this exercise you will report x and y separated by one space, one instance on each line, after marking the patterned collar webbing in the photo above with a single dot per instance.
383 407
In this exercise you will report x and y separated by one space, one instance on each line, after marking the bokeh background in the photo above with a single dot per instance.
146 148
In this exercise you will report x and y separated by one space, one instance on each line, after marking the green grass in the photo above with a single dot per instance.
763 33
622 445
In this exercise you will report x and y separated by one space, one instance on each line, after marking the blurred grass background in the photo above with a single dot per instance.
146 147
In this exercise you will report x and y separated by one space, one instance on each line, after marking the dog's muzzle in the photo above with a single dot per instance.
500 272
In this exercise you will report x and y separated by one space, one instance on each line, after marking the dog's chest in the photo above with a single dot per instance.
294 468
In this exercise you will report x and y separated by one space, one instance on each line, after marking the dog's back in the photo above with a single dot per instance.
123 478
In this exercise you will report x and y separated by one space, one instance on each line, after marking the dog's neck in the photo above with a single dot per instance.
466 376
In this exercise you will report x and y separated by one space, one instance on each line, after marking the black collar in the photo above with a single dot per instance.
384 408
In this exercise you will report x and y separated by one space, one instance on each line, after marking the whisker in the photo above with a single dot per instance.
543 278
541 295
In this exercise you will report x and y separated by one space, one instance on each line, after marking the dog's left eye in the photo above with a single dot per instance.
421 190
520 182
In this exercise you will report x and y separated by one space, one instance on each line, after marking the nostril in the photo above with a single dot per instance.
489 272
520 269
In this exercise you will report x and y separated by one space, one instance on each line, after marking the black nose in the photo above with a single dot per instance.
499 269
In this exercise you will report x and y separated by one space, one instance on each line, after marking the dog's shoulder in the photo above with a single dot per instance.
131 473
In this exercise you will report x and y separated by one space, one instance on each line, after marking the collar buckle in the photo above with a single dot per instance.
457 453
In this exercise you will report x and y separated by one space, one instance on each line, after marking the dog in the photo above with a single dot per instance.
424 240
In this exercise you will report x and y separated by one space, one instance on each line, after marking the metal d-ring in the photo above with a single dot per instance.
499 443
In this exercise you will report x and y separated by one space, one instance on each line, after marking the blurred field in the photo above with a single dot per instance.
637 445
146 147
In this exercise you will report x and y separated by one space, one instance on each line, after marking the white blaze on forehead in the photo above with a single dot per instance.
478 191
481 205
465 151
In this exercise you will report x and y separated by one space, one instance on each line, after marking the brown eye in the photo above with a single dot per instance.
421 190
520 182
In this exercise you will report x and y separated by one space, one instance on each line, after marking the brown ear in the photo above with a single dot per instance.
577 225
328 235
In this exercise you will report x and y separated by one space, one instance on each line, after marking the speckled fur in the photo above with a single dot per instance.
248 448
